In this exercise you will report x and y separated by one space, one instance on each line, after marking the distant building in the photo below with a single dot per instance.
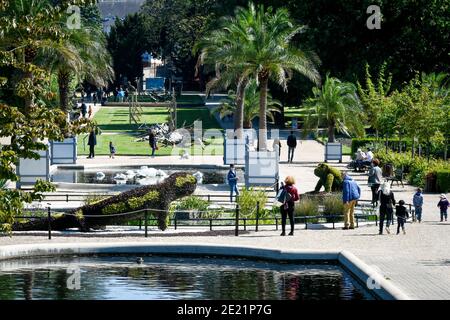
113 9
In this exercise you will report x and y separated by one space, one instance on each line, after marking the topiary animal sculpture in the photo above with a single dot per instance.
155 198
329 177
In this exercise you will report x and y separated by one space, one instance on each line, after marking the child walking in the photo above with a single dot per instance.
402 215
112 150
443 205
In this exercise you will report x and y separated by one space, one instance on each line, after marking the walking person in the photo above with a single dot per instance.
232 179
292 144
443 206
402 214
387 203
288 195
351 193
153 142
92 142
83 110
418 204
374 181
112 150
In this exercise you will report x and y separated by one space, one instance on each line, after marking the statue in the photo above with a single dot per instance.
155 198
329 177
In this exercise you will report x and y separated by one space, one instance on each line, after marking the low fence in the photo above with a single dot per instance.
237 221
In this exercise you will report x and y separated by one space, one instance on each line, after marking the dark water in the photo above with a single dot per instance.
164 278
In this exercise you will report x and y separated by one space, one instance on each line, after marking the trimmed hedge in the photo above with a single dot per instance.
443 180
158 197
393 142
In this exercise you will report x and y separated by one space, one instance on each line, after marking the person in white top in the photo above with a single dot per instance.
369 157
360 158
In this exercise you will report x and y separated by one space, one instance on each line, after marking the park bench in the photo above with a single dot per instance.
397 177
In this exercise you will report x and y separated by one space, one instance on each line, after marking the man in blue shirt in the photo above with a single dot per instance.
351 193
232 182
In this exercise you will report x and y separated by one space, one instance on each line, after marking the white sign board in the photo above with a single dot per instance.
234 152
64 152
261 168
333 151
30 170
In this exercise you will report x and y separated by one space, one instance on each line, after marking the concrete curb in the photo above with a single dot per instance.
384 289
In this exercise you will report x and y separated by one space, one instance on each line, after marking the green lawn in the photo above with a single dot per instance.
117 119
114 123
182 100
126 144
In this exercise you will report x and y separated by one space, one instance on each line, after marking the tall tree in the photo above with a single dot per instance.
272 55
336 104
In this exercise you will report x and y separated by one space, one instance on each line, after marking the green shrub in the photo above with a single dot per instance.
416 168
307 207
188 179
115 208
443 180
139 202
248 200
364 143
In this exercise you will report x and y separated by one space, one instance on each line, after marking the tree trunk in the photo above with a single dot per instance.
264 84
30 55
63 86
331 136
413 152
239 114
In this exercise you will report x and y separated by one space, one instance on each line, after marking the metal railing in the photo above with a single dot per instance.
177 222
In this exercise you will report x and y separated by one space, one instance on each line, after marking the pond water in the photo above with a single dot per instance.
164 278
135 175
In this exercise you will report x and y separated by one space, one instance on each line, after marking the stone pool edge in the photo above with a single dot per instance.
383 289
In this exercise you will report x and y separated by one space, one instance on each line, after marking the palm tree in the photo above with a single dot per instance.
251 105
29 27
270 54
224 49
337 105
88 59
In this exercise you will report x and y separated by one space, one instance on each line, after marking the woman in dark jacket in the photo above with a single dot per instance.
152 142
92 142
387 203
287 209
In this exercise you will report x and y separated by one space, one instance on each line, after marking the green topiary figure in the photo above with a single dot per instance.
330 178
115 208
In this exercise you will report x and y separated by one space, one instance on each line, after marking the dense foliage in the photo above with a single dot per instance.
30 31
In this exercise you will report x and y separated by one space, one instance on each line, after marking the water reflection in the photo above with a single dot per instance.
175 278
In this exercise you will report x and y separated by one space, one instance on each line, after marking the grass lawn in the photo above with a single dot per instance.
182 100
117 119
125 143
114 123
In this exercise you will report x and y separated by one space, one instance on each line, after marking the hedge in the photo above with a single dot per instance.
361 142
443 180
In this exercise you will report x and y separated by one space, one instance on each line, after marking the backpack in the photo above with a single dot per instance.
284 196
